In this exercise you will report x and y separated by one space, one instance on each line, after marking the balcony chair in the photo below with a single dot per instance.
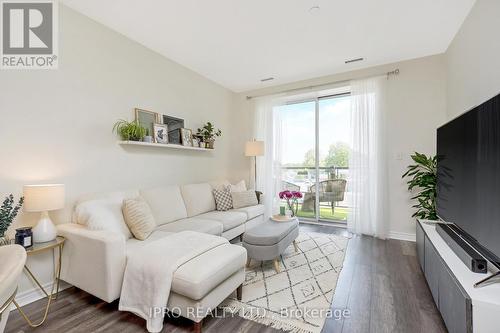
289 186
331 190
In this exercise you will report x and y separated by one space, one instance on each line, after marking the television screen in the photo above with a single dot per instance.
468 186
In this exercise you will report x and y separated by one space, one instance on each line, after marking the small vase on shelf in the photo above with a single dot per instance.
209 144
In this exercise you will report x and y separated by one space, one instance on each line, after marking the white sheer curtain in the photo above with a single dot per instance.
367 162
268 127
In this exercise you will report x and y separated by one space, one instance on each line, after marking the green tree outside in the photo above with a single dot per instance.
309 158
338 155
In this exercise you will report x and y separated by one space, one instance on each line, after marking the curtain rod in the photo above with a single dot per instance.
393 72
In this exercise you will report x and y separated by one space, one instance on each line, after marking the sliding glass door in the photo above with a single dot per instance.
334 134
315 145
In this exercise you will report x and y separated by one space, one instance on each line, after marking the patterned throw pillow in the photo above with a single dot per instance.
223 199
244 199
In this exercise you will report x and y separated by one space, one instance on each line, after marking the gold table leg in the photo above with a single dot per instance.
276 265
51 296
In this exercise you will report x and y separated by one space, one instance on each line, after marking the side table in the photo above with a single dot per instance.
58 244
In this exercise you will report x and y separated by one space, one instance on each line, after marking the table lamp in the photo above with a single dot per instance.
253 149
43 198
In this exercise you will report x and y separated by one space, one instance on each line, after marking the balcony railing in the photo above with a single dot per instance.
302 178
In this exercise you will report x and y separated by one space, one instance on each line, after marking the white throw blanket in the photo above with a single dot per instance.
149 272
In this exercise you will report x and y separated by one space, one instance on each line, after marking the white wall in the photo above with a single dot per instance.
56 125
416 107
473 59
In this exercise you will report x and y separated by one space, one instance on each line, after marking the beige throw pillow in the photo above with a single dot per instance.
238 187
138 217
244 199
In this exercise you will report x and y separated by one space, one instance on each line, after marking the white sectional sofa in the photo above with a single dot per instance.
94 260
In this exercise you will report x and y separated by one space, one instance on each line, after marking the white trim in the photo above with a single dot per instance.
332 224
317 211
34 294
402 236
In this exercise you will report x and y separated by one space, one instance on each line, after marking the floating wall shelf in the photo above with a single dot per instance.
160 145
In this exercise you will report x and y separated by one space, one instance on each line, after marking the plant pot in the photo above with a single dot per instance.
4 240
209 144
148 138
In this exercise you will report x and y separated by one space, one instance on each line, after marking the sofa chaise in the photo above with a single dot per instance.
95 256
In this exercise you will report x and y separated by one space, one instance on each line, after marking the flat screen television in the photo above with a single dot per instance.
468 181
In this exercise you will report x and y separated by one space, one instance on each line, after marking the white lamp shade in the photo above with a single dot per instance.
41 198
254 148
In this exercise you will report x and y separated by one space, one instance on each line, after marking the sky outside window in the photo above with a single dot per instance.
299 128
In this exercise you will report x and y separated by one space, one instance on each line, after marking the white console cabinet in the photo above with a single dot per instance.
464 308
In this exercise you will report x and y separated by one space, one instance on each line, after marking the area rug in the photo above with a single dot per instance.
297 299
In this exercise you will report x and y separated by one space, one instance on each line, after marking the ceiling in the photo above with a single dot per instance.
236 43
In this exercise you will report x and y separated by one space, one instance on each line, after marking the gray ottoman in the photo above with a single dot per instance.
269 240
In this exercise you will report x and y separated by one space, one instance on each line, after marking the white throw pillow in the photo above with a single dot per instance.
244 199
103 214
219 184
238 187
138 217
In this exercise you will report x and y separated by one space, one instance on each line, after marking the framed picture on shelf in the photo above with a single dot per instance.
186 137
160 132
173 123
147 119
174 136
197 140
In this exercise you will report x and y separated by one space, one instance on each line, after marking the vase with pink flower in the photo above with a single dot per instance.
292 200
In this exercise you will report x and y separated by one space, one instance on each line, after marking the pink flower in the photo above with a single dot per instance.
297 194
285 194
288 195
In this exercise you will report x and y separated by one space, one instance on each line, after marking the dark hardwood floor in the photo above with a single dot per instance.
381 285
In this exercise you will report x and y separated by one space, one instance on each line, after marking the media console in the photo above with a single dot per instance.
463 308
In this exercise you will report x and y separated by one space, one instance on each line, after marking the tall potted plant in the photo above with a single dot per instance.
8 213
423 178
208 132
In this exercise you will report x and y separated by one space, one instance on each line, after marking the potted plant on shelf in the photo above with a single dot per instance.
8 213
208 132
423 178
147 136
130 130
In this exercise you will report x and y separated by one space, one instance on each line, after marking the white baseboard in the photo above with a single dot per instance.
32 295
404 236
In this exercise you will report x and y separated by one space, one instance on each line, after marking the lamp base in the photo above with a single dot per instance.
45 230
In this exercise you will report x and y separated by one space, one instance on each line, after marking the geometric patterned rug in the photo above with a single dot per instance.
297 299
